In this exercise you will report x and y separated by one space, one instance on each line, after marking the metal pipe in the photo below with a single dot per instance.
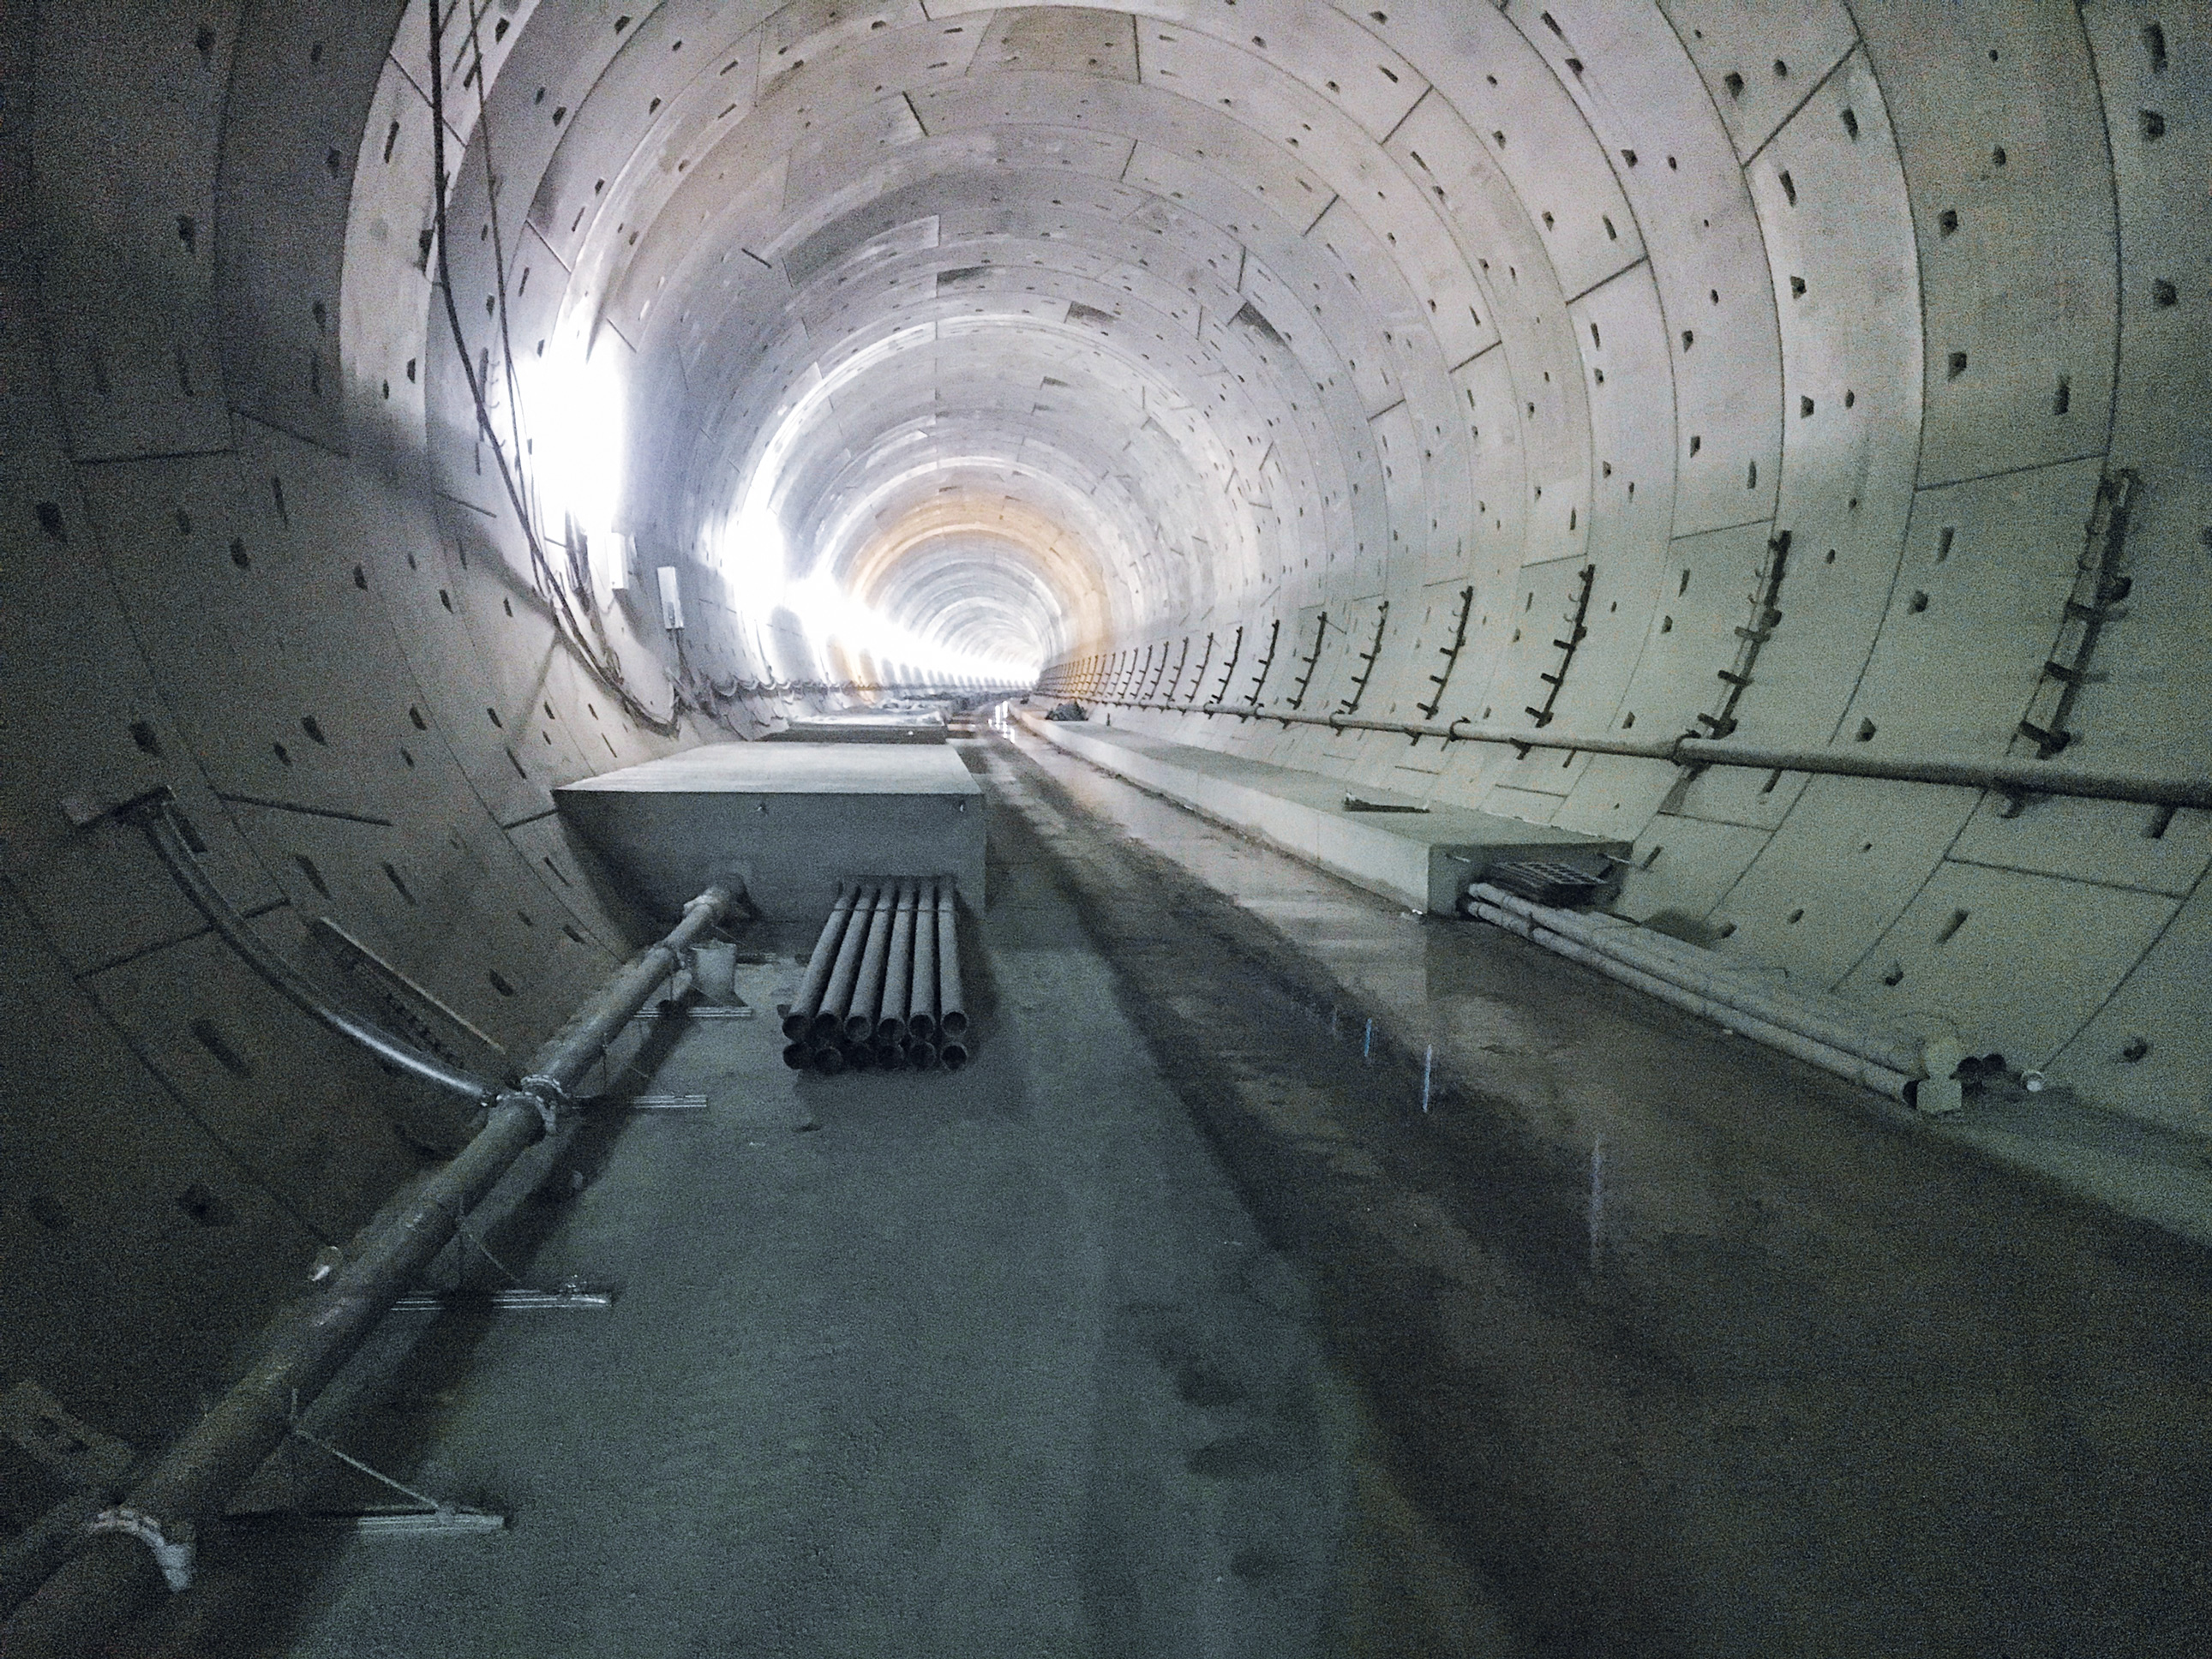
190 1484
1853 1068
953 1055
572 1051
828 1058
838 998
898 969
868 993
800 1019
921 994
951 1000
920 1053
1894 1054
2006 776
157 817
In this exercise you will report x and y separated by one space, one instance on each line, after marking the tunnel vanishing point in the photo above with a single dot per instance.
1777 437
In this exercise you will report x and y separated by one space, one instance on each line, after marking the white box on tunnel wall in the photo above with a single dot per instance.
672 599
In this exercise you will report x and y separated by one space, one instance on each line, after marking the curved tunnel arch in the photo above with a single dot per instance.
1811 333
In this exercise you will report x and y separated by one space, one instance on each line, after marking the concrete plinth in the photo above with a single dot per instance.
1422 858
788 819
865 727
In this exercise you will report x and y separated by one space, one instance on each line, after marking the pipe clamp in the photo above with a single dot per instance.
547 1095
174 1556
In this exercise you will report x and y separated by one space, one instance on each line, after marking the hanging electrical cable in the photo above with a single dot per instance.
606 670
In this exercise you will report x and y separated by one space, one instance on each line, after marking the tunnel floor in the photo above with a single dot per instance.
1289 1274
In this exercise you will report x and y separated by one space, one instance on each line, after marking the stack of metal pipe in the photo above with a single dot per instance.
883 989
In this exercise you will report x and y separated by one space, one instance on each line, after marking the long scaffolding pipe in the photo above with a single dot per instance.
147 1541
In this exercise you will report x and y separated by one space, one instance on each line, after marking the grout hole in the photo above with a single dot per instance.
1944 934
204 1207
210 1037
314 876
498 983
398 886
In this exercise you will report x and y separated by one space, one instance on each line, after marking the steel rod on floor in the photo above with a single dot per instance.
951 1003
148 1539
868 992
898 970
831 1020
800 1020
921 995
1710 981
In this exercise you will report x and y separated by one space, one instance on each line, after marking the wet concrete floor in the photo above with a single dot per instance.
1176 1326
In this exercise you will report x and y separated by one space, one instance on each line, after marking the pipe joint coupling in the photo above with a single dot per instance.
547 1095
173 1555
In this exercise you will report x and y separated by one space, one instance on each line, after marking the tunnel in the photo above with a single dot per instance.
1756 452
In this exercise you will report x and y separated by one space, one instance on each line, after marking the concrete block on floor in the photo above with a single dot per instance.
788 819
1423 856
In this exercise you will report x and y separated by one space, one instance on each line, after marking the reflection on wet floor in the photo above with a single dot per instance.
1683 1347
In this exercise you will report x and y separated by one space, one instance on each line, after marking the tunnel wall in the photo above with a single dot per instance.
1896 303
227 571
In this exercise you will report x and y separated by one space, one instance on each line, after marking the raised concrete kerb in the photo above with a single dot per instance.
787 819
1423 860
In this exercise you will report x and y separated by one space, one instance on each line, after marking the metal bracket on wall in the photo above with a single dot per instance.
1274 633
1180 661
1236 650
2098 587
1765 613
1450 654
1350 705
413 1011
1296 699
1575 635
1197 680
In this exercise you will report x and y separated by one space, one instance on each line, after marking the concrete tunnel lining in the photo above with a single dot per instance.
1060 340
